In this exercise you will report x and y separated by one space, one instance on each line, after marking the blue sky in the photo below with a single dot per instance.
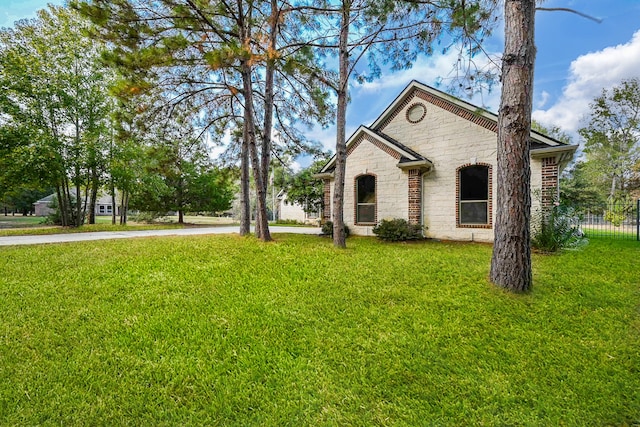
576 59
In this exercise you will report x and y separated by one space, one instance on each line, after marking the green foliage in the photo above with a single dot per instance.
304 189
148 217
229 331
21 198
327 229
289 222
397 230
618 210
583 186
54 105
555 228
176 174
611 137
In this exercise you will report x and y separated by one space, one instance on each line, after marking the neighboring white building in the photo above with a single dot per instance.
294 211
430 158
103 205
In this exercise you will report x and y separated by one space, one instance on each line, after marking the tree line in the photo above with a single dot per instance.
65 129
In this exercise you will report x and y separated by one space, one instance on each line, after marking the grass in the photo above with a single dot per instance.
7 221
23 226
611 232
224 330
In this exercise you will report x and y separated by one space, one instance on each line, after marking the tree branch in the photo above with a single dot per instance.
566 9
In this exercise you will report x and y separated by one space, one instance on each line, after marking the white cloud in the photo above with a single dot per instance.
327 137
544 98
426 69
588 75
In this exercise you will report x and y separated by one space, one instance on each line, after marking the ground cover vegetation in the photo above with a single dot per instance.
233 331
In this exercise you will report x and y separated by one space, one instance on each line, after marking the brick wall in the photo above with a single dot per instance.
415 196
326 211
550 186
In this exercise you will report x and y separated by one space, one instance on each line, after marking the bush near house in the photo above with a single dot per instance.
397 230
327 229
555 228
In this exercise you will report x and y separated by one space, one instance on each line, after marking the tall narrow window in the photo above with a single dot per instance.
366 199
474 195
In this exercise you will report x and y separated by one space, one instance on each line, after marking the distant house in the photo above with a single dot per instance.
430 158
43 207
287 210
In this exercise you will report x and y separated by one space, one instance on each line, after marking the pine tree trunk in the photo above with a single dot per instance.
113 203
511 261
339 237
269 82
245 203
262 226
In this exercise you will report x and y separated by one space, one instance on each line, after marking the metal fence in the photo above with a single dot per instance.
620 220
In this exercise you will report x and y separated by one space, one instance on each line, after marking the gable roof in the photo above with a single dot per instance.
540 144
400 152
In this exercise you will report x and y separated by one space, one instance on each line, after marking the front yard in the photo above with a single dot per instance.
213 330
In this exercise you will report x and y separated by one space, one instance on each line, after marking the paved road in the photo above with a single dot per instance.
105 235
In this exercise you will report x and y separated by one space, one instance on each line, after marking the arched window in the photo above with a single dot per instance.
366 199
473 195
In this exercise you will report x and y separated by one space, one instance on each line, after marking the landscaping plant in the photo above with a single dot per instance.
397 230
555 228
327 229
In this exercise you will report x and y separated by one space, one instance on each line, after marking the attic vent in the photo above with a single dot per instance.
416 113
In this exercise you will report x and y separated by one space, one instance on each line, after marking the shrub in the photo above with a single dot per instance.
327 229
397 230
556 228
289 222
148 217
617 212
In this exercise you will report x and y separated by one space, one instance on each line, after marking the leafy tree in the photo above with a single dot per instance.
54 106
582 186
302 188
612 135
176 168
21 199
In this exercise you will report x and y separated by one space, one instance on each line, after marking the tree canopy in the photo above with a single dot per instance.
612 136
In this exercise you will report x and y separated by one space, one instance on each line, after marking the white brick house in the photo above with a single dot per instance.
430 158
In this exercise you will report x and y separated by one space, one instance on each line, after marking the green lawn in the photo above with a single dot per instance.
26 225
13 221
225 330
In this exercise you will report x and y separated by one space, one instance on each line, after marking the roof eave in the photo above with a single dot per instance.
323 175
423 165
559 149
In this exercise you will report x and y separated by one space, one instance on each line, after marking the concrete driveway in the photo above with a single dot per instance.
106 235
